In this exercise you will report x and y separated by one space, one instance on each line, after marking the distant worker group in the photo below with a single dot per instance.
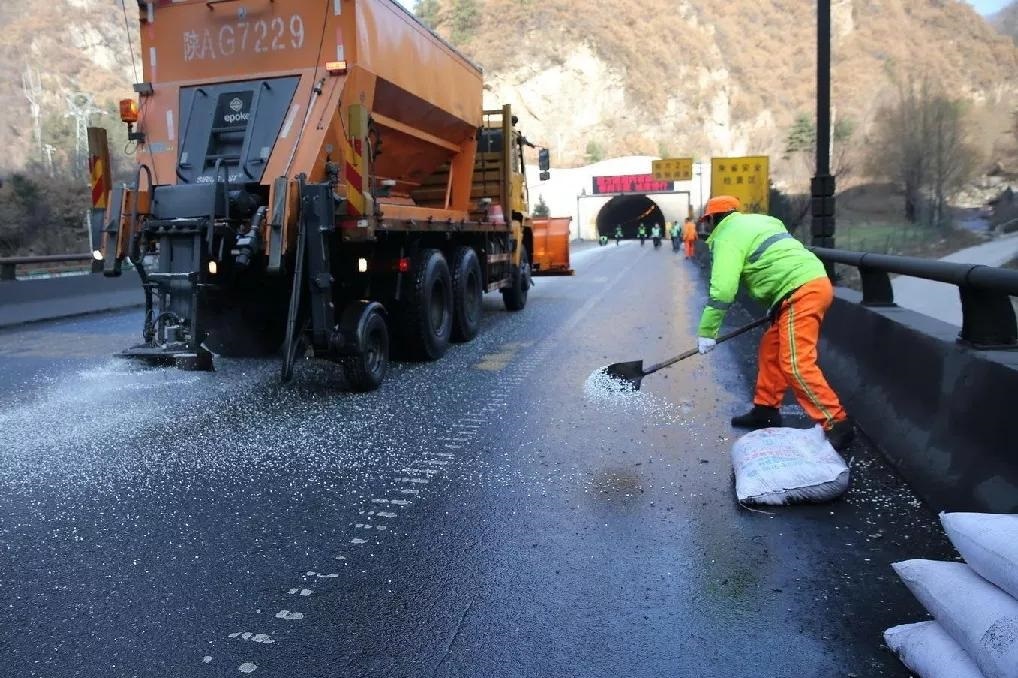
681 235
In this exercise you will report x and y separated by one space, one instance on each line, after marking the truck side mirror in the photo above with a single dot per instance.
543 160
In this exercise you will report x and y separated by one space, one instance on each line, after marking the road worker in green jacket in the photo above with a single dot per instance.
789 281
641 233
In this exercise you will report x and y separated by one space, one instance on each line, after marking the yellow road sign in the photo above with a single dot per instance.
748 179
673 169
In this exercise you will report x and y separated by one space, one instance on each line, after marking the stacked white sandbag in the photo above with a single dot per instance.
989 544
975 604
926 649
975 613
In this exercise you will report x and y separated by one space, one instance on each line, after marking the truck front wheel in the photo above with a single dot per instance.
515 296
366 370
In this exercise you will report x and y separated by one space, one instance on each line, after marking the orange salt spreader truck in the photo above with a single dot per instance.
317 176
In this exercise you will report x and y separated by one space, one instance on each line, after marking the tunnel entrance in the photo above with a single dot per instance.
629 211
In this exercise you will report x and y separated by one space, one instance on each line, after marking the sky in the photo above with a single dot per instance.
982 6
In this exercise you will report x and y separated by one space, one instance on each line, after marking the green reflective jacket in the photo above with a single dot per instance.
757 250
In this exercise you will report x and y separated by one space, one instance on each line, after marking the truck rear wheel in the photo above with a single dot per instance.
366 370
515 296
467 294
426 322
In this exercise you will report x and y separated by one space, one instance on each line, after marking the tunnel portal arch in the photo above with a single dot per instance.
629 211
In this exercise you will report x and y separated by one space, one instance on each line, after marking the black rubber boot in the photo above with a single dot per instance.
760 416
841 433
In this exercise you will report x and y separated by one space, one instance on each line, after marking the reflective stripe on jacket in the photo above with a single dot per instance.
758 251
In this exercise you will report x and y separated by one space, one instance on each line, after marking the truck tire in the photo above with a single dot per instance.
515 296
426 322
366 370
467 292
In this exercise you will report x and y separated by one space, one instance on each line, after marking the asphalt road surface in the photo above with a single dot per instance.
478 516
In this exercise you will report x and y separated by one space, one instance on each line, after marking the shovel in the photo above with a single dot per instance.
632 373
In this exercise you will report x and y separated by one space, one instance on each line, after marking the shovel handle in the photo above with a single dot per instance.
723 338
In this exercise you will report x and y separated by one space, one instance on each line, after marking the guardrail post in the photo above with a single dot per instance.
988 319
8 271
876 287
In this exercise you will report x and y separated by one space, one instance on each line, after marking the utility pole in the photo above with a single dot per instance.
81 107
822 186
31 85
48 150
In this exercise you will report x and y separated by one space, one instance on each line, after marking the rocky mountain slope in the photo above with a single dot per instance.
1006 21
701 78
658 77
65 47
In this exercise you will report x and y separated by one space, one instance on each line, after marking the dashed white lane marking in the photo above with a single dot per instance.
464 431
253 637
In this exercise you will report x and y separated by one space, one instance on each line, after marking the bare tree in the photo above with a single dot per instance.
31 86
922 146
952 159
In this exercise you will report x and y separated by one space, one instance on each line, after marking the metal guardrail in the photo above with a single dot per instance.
9 265
988 316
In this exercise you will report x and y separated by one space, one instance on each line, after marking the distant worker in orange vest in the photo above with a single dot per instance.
689 237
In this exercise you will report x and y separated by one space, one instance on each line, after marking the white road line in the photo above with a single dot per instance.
289 616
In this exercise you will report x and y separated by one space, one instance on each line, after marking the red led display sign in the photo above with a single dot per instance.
630 183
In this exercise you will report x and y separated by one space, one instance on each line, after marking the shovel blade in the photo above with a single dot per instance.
631 373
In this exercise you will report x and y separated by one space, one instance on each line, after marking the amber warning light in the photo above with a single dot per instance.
335 67
128 110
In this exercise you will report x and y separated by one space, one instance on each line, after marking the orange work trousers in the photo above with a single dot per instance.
788 355
689 248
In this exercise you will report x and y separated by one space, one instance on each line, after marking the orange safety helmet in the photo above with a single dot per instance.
721 204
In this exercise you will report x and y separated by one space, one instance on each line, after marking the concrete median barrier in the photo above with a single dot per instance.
942 413
25 301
